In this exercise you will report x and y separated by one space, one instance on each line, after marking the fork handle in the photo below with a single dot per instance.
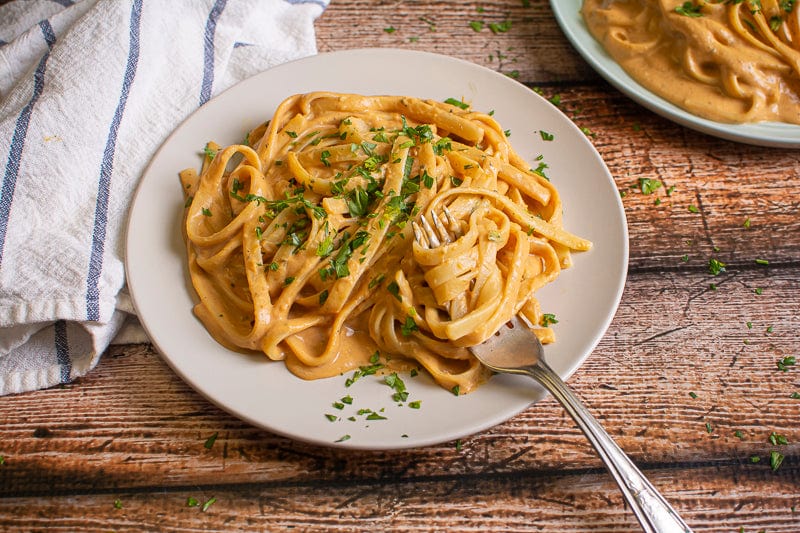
654 513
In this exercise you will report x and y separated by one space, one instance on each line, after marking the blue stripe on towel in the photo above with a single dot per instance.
106 168
65 3
62 350
18 139
322 3
208 50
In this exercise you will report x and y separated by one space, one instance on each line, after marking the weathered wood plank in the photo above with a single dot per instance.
738 198
527 44
132 422
722 498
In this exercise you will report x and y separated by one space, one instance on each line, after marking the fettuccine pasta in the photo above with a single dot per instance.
731 61
300 244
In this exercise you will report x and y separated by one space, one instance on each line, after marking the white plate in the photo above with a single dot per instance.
264 393
774 134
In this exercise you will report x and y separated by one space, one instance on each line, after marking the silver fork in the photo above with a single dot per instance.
515 349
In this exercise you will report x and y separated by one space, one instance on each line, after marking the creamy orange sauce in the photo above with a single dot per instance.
355 348
732 63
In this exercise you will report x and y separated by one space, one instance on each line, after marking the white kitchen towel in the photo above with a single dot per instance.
89 89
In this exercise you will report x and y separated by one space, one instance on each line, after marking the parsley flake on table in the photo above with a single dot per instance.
775 460
210 441
715 266
500 27
649 186
211 501
786 362
778 440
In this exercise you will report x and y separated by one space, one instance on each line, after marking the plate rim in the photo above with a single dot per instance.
498 417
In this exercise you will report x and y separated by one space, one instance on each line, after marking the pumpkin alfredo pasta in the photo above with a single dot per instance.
300 242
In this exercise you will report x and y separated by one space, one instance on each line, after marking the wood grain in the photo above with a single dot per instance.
686 378
716 498
640 381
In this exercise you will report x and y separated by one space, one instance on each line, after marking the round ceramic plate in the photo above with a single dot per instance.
774 134
584 298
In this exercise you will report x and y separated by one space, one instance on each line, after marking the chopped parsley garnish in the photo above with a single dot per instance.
325 158
117 504
211 501
778 440
357 202
775 460
206 212
500 27
394 289
546 136
363 371
786 362
409 327
331 418
457 103
547 319
396 383
762 262
689 9
415 404
342 438
693 209
456 390
715 266
210 441
649 186
209 153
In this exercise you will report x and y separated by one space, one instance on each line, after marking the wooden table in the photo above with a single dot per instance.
686 379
